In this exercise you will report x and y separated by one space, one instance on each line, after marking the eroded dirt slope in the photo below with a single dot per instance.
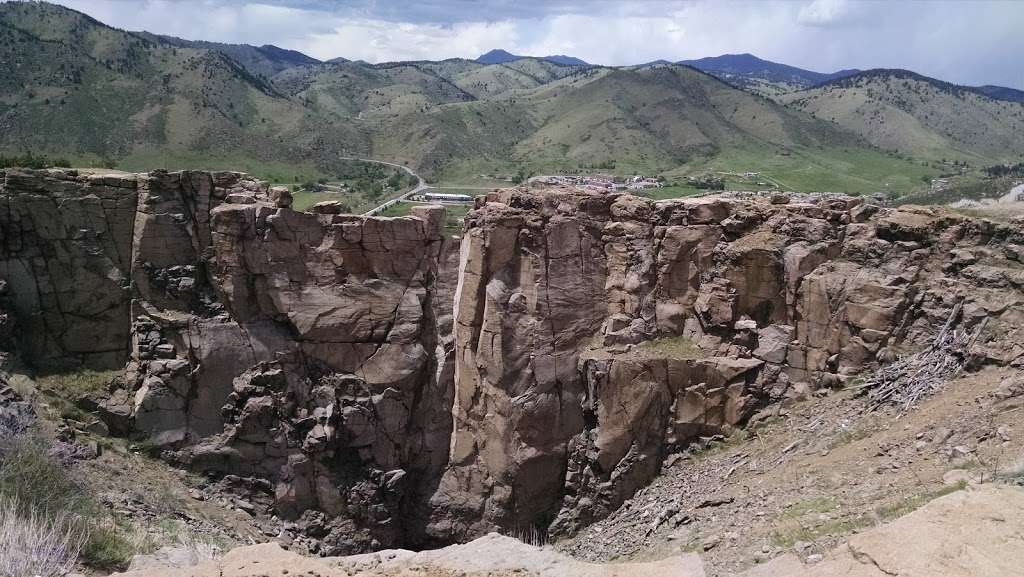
810 474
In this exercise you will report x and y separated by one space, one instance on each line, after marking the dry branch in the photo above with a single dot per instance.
911 378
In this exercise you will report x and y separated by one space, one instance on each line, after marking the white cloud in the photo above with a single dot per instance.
382 41
824 12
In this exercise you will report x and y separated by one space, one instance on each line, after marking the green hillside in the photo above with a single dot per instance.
665 119
919 116
88 91
79 89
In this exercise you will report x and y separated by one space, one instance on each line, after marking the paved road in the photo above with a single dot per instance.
420 184
1016 194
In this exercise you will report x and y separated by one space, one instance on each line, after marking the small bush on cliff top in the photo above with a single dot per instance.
674 347
78 383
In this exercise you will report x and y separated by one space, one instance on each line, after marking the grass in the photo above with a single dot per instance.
64 390
791 530
822 504
734 440
46 490
275 172
787 537
915 502
973 185
679 347
78 383
454 215
35 544
838 169
849 435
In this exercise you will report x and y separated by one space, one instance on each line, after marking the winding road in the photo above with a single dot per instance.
421 185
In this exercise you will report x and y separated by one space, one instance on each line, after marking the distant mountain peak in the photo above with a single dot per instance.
746 69
499 56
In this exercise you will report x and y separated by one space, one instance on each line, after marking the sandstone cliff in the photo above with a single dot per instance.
307 355
365 385
596 334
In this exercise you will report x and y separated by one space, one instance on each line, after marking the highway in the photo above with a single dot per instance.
420 184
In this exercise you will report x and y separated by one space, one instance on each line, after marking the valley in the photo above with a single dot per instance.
285 117
355 303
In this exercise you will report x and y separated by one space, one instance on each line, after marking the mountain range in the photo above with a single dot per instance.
81 89
750 72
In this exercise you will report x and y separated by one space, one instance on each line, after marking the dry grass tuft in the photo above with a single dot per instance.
36 544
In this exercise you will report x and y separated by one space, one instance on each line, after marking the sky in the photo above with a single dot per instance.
967 42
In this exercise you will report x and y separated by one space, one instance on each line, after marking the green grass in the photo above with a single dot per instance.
679 347
274 172
454 215
40 484
78 383
840 169
915 502
823 504
304 200
973 185
792 529
849 435
669 192
788 536
65 390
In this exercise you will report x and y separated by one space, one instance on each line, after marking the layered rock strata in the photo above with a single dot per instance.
304 355
597 334
367 383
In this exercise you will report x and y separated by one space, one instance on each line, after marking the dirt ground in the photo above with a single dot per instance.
808 477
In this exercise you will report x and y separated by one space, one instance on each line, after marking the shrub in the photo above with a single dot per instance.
36 544
40 488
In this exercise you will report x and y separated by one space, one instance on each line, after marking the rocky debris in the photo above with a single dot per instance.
963 534
377 388
734 303
177 557
16 414
907 381
809 475
490 556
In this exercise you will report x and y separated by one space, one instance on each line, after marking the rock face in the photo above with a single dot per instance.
67 246
308 355
597 334
371 385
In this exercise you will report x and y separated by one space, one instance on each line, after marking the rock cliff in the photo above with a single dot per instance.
306 356
364 384
597 334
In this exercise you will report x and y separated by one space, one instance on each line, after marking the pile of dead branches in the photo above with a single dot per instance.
909 379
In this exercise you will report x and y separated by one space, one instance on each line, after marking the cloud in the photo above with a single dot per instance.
825 13
383 41
970 42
